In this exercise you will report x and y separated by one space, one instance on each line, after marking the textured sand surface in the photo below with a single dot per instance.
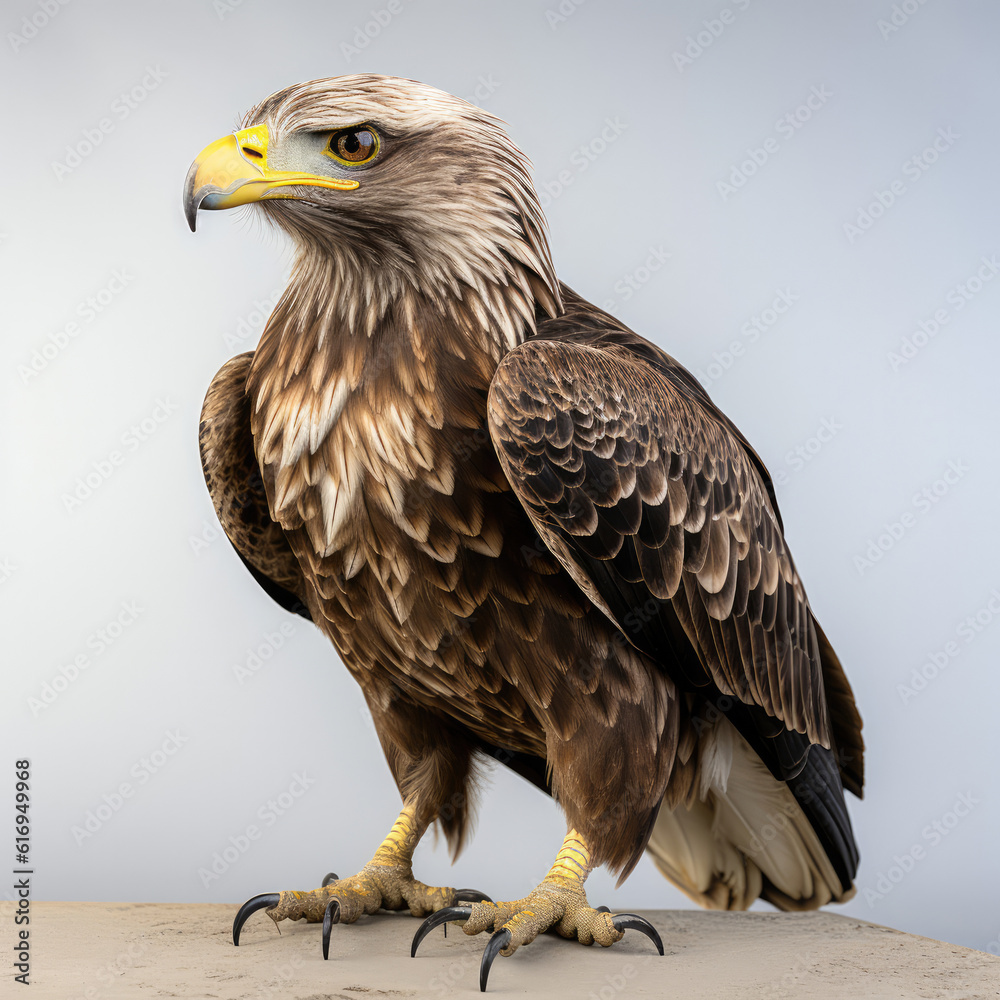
98 950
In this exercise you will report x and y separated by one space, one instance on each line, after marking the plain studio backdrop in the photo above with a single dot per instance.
796 200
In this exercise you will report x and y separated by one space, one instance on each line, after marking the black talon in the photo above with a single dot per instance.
252 905
622 921
494 946
328 878
603 909
440 917
331 916
472 896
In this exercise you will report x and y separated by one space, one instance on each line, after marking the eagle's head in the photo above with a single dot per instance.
396 184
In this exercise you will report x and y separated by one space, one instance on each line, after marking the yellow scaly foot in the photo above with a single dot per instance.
385 883
558 903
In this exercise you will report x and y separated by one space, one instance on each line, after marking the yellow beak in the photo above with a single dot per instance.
233 171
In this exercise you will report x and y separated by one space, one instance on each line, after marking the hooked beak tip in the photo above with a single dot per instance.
191 201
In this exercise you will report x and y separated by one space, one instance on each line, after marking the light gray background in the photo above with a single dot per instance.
147 533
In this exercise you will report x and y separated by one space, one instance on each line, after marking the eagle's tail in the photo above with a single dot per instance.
748 834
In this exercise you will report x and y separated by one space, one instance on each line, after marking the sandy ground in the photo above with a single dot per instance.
104 950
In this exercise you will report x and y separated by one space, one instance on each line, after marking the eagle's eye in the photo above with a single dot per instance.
354 145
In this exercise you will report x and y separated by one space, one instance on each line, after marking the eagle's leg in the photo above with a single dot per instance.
558 903
386 882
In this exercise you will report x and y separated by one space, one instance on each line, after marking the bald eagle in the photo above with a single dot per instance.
529 533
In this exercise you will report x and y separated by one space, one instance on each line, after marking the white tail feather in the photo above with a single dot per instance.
745 827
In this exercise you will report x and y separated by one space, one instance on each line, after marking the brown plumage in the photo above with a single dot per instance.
528 532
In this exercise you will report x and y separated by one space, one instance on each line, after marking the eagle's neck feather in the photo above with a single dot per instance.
355 387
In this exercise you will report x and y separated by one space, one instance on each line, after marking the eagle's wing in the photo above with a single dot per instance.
232 474
666 519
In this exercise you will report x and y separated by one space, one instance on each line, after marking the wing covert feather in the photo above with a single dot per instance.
622 462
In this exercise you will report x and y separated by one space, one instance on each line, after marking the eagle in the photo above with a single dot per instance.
530 534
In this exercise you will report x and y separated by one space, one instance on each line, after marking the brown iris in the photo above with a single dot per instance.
354 145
